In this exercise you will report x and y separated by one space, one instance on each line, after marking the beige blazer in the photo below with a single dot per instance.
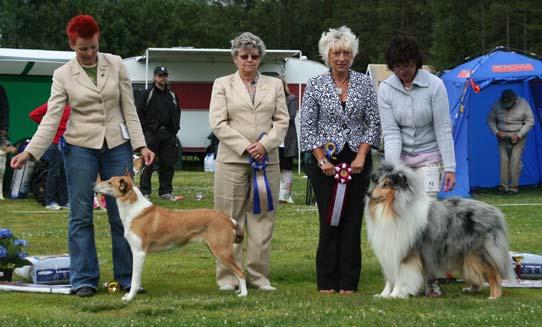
97 111
237 122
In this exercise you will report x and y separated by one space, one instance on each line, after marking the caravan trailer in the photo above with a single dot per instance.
192 72
26 75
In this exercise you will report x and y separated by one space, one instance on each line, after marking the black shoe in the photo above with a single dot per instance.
141 290
85 291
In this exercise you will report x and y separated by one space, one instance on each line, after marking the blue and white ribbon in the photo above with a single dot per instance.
261 187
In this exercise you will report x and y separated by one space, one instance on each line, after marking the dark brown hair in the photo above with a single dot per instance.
403 49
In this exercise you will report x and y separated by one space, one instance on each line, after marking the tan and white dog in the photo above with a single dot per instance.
5 148
149 228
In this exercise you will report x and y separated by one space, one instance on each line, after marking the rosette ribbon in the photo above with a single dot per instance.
343 175
263 199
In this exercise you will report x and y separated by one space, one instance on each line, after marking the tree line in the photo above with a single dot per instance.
448 31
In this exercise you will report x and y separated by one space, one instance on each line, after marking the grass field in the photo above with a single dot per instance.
181 290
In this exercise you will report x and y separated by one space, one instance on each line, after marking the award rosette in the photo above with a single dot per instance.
343 175
263 199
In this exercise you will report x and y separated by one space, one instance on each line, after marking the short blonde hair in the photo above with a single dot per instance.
340 38
247 40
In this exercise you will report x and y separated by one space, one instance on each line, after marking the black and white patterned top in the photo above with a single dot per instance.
324 120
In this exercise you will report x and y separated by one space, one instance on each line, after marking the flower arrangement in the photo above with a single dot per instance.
11 250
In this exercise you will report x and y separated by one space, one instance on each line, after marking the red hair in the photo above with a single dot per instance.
83 26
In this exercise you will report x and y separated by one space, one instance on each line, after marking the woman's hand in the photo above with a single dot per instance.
328 169
256 151
19 160
147 155
357 164
449 181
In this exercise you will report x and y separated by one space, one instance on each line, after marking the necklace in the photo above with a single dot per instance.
338 86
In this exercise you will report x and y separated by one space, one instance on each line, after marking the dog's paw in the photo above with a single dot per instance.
398 295
242 294
127 297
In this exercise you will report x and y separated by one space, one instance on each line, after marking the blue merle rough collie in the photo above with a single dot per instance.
417 238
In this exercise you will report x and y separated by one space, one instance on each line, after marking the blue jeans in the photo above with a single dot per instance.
82 168
56 189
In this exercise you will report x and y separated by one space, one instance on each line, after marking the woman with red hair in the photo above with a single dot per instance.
101 133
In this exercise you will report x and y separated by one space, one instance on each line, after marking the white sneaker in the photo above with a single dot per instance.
267 288
290 200
53 206
282 195
227 288
66 206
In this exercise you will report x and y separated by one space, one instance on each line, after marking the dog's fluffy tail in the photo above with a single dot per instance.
498 251
239 232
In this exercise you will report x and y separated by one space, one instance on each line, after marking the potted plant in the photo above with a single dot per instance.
12 254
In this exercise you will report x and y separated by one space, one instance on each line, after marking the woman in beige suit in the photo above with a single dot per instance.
101 132
248 115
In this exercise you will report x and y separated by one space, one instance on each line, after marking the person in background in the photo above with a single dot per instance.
248 115
510 119
416 123
339 125
4 112
288 149
101 132
160 116
56 187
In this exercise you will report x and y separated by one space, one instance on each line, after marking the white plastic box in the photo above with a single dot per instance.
50 269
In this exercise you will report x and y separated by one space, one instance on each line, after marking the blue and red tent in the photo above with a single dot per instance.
472 88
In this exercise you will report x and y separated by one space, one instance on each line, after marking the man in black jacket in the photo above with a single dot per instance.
159 113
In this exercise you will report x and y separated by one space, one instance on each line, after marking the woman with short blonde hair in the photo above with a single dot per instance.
339 125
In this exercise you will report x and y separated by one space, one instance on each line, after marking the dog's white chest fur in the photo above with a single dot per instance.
129 211
392 238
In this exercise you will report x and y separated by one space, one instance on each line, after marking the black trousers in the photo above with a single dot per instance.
338 257
166 152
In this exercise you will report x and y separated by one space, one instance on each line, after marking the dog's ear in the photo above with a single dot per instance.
128 172
124 186
402 180
399 180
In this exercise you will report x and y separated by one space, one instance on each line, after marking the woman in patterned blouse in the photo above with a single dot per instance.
339 111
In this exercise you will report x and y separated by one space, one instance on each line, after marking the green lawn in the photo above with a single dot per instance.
181 290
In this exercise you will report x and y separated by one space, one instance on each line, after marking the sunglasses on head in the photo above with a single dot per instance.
252 56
